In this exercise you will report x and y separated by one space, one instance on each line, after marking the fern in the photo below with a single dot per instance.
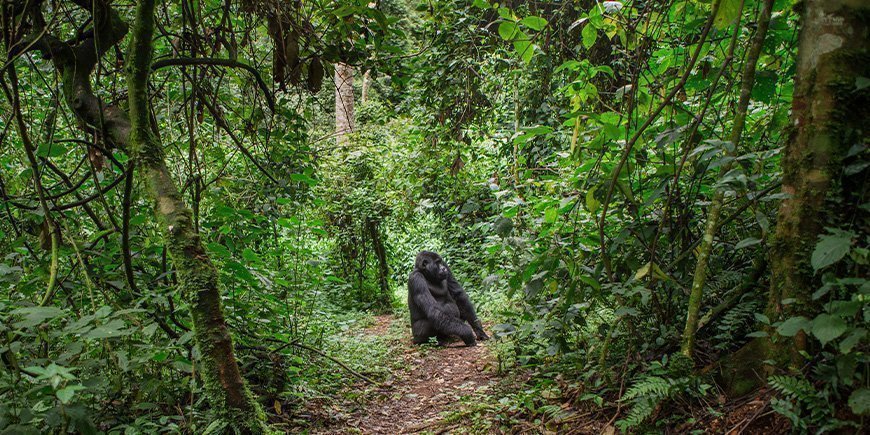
804 405
647 394
725 281
652 390
649 387
793 388
638 414
734 323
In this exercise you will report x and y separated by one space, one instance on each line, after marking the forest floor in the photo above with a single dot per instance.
430 390
460 390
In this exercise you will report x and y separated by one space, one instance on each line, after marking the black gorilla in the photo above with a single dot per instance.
439 306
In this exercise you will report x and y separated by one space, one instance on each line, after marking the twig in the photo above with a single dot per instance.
318 352
321 353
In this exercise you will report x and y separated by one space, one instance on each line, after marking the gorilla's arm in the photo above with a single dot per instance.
466 308
442 322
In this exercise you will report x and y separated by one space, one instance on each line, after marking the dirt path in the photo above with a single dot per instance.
417 399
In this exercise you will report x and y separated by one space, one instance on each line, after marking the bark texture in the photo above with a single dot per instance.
344 122
829 116
374 230
226 390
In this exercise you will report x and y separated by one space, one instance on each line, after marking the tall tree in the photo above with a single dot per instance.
344 120
829 116
226 389
715 210
131 130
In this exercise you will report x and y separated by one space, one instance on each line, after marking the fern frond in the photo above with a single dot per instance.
650 387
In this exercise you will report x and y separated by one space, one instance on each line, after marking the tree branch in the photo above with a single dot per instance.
186 61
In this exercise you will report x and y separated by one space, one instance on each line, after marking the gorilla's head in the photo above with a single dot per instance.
431 266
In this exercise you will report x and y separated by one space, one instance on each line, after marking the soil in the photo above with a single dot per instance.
434 390
418 398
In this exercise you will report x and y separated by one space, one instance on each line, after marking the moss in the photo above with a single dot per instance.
230 399
744 370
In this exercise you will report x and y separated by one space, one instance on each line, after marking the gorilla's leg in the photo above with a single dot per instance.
448 325
422 330
466 308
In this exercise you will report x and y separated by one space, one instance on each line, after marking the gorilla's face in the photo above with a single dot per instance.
432 266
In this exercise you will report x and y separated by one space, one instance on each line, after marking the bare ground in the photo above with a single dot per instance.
434 390
420 397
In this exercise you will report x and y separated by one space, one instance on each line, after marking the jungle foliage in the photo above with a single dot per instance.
659 207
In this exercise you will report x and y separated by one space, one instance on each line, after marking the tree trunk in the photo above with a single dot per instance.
829 115
366 83
343 102
383 267
225 389
747 82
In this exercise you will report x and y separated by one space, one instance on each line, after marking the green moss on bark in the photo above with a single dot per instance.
828 116
225 389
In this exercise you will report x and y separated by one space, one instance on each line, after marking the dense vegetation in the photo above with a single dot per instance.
660 208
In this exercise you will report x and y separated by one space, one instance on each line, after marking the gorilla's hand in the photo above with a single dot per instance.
468 337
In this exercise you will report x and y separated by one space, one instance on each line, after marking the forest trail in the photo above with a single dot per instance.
420 398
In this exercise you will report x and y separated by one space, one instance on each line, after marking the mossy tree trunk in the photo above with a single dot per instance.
829 116
198 280
699 279
374 230
75 61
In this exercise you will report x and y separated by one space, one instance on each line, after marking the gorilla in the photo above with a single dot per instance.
439 306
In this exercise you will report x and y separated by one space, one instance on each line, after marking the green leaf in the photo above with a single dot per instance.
762 318
100 234
290 222
747 242
344 11
592 203
66 394
303 178
33 316
551 214
859 401
848 343
831 248
109 330
482 4
534 22
251 256
505 13
508 30
241 272
589 35
792 325
219 250
727 13
827 327
50 149
524 48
